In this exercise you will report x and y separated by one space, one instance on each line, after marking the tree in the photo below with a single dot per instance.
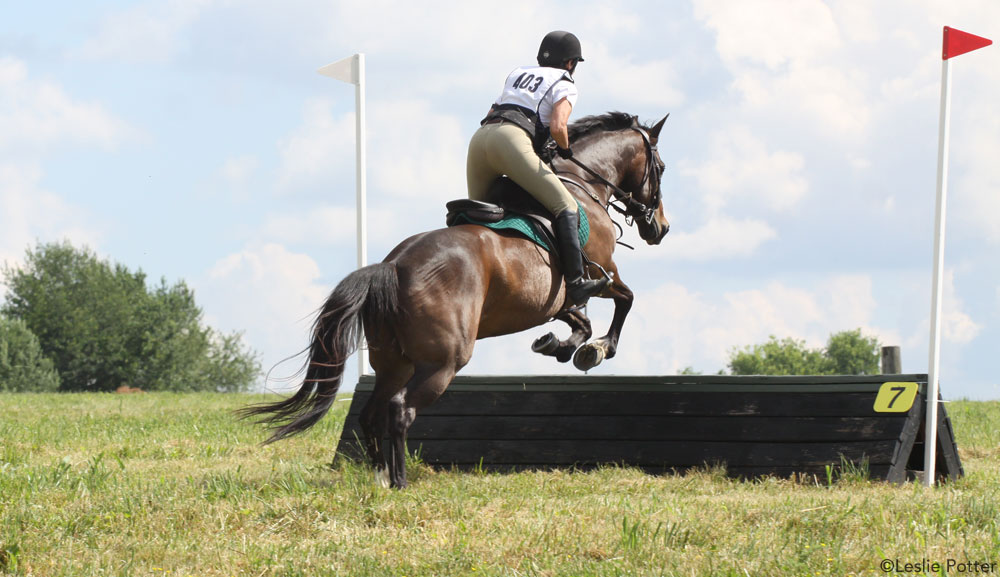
785 357
23 367
846 353
852 353
103 327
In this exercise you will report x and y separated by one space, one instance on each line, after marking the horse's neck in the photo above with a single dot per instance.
612 160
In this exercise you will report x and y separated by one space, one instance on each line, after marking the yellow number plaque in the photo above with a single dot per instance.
895 397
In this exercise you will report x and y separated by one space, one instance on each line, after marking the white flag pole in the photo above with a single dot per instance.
352 70
955 43
937 285
362 197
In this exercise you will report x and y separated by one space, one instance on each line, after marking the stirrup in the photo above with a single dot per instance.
580 290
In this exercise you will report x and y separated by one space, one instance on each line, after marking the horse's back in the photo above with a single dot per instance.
475 281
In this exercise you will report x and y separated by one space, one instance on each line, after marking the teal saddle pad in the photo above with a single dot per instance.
528 228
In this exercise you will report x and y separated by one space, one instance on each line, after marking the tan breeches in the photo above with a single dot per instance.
503 148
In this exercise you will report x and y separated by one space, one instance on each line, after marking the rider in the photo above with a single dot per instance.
535 104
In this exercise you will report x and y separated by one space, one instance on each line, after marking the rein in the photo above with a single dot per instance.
632 206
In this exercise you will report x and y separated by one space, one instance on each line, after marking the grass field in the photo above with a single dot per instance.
172 485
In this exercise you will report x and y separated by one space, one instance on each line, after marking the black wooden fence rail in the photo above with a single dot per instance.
754 426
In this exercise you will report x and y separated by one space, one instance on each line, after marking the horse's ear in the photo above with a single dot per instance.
654 133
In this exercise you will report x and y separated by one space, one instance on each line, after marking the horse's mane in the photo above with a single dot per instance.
600 123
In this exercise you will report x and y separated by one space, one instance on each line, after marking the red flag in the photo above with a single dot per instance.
957 42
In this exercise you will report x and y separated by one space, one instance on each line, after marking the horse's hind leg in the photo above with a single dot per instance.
392 371
550 345
374 426
424 387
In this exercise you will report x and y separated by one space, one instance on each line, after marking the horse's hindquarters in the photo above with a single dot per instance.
468 282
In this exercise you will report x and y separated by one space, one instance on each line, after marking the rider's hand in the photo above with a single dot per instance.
564 152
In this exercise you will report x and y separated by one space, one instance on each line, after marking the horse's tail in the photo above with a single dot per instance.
368 296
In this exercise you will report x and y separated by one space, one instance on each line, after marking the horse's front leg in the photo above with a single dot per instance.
550 345
593 353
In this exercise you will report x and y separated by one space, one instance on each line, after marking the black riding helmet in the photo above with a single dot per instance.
558 47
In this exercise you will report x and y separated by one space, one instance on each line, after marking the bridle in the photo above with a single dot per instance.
632 207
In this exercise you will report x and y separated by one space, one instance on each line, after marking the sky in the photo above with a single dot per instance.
194 140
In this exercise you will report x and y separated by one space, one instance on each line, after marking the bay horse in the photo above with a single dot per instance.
423 307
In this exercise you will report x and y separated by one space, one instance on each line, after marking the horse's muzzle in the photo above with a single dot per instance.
655 233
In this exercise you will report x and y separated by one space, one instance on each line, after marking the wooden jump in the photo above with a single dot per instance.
754 426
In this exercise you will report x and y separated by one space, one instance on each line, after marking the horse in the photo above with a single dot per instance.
425 305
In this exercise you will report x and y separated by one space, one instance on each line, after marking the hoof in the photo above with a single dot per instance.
546 345
564 354
588 356
382 478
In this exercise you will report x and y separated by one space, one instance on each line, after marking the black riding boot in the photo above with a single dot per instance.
578 289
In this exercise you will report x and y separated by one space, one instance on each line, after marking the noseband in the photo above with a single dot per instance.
653 169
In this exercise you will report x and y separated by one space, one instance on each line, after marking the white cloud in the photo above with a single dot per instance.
417 153
775 309
830 97
629 82
325 225
258 264
270 293
446 32
740 166
414 154
975 195
36 114
615 17
237 176
35 117
851 301
673 327
238 170
772 33
789 60
957 326
318 148
29 213
149 32
719 237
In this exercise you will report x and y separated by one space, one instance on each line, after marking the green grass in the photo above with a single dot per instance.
173 485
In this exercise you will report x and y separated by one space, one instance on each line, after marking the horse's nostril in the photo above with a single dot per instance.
664 229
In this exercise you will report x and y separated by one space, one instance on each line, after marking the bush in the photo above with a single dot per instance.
103 327
23 367
846 353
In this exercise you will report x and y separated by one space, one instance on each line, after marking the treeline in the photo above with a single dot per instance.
74 322
845 353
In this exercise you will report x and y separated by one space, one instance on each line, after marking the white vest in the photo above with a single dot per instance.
538 88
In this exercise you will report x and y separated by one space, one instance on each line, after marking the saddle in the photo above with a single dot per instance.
509 206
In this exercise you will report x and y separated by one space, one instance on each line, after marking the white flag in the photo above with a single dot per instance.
345 70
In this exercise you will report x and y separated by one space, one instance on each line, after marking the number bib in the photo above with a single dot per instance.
538 88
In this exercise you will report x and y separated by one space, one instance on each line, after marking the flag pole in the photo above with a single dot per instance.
362 197
352 71
954 43
937 284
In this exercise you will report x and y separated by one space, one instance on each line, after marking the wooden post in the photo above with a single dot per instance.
892 362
